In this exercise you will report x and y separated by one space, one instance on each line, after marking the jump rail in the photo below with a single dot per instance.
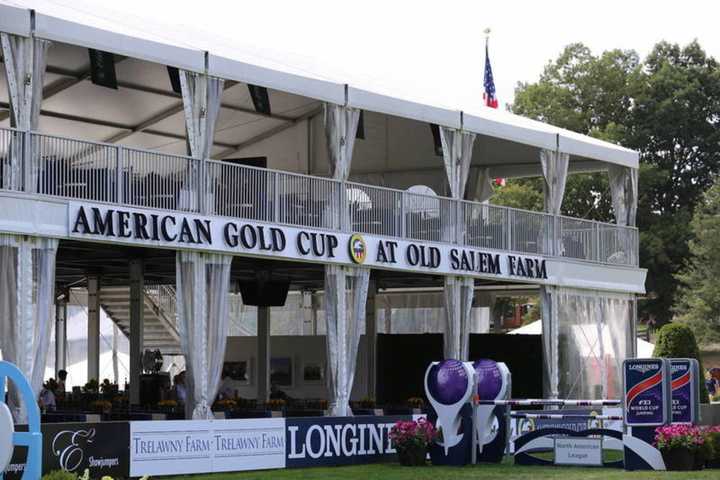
561 416
552 403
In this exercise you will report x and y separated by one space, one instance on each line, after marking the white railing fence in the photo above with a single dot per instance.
69 168
164 297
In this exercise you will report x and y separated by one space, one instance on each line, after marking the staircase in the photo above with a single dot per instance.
160 329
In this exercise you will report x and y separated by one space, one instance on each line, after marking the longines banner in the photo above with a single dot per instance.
327 441
188 231
102 448
204 446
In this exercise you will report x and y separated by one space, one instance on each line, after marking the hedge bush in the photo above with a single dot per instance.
677 340
59 475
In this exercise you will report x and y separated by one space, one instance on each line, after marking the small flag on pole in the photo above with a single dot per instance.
489 84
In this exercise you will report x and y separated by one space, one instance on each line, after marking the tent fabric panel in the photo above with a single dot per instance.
56 29
128 107
266 77
376 102
579 145
15 20
501 128
287 150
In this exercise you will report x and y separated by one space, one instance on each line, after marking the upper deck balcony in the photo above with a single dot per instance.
56 166
121 140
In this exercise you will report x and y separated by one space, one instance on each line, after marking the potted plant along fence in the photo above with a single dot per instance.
679 445
712 440
411 440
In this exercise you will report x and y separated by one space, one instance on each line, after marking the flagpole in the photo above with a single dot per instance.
487 37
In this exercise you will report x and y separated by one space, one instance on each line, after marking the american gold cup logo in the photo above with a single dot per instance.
357 247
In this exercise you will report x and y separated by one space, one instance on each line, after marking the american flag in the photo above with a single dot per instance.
489 94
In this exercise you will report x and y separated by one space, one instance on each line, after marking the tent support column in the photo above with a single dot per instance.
554 167
137 326
93 304
345 287
371 340
25 60
60 335
263 347
201 96
457 147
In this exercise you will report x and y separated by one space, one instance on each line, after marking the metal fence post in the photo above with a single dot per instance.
202 187
510 216
458 222
276 197
119 184
343 207
402 216
26 162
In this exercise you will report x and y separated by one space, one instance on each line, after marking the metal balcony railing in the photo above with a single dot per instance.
77 169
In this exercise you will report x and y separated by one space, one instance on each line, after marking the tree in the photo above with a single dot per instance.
522 193
668 108
677 341
698 303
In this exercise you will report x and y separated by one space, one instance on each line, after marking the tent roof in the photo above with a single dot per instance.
227 54
644 348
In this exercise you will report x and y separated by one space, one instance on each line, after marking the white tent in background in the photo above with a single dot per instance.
644 348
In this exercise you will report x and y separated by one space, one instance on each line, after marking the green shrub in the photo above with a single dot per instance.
59 475
677 340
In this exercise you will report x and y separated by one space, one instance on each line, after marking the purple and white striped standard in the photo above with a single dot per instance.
549 402
560 416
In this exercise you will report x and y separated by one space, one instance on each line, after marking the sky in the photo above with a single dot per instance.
430 50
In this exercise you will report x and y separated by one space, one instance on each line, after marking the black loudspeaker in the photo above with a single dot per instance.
102 68
435 129
272 293
260 99
361 127
258 162
174 75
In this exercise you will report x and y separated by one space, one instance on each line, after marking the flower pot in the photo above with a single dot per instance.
412 456
680 459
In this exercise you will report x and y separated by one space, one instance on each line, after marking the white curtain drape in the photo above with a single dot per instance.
201 96
457 153
549 305
595 336
482 189
340 129
203 285
624 191
554 167
346 290
458 309
27 292
25 60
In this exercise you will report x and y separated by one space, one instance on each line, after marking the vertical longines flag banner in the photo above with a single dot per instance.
685 390
647 395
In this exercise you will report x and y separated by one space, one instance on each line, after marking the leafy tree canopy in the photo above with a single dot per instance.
668 108
698 303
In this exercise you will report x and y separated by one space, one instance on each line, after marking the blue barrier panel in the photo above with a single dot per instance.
32 439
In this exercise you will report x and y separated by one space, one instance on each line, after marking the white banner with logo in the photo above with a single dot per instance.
205 446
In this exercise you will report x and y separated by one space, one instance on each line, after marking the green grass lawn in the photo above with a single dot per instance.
485 472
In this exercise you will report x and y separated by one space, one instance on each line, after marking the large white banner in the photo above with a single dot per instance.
178 230
203 446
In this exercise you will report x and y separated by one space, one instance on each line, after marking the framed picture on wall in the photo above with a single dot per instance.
238 371
314 373
281 371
